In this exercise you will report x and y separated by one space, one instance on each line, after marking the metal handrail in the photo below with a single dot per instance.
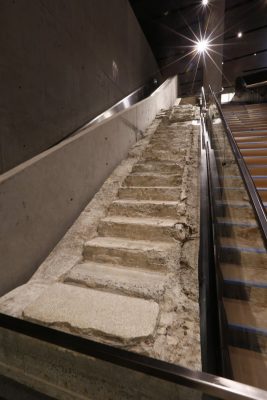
245 174
255 85
144 91
217 386
204 98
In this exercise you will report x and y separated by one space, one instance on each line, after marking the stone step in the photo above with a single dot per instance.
89 312
162 167
131 253
248 283
118 279
159 229
150 193
149 179
247 230
162 144
240 253
162 155
247 324
143 208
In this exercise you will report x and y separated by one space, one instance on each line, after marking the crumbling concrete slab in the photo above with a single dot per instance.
86 311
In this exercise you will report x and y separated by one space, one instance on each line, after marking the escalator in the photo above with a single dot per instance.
249 126
239 235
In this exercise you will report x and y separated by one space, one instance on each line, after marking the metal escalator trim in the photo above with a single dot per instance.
205 383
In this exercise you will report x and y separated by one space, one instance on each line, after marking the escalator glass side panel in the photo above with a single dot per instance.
241 260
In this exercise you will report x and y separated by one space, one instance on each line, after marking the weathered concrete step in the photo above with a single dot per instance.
237 251
90 312
162 155
149 179
249 367
159 229
150 193
118 279
247 324
248 284
131 253
149 208
162 144
162 167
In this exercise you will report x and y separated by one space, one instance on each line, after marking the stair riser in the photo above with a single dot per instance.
263 195
147 181
242 213
152 259
233 194
172 194
253 294
158 155
232 182
258 170
138 232
158 145
246 259
143 210
114 287
247 340
248 235
158 168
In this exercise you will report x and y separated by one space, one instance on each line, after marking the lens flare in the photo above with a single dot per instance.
202 46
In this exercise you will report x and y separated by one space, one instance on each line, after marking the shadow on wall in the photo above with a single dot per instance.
64 62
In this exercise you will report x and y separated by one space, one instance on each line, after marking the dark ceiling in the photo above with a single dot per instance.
170 25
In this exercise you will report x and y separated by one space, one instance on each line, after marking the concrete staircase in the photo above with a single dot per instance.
116 291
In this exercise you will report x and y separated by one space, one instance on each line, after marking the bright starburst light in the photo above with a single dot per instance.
202 46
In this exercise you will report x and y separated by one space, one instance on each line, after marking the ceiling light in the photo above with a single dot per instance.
205 2
202 46
240 34
255 54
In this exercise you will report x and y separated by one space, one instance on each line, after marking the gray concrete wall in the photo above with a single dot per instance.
62 63
42 197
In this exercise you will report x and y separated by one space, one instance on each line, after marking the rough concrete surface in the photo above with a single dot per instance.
86 311
150 234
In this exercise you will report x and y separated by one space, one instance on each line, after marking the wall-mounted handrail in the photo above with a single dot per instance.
217 386
204 101
247 179
148 89
255 85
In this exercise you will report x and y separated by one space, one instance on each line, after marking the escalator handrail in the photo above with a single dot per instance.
221 388
245 174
